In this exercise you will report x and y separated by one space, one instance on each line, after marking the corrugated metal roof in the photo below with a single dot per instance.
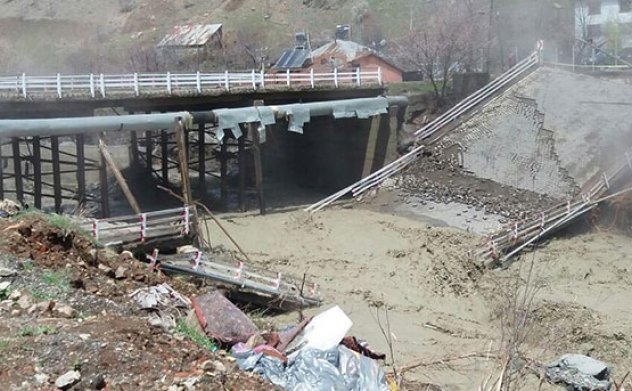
348 50
293 58
190 35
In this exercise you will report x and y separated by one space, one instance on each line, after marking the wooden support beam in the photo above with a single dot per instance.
134 148
242 172
164 158
256 153
37 173
103 184
17 170
81 170
184 167
149 154
1 171
119 177
202 160
371 146
223 175
54 143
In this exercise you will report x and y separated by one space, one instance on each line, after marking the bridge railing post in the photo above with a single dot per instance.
24 85
358 76
254 80
226 81
198 82
92 85
59 85
336 77
379 76
263 79
311 77
136 86
169 83
102 82
287 76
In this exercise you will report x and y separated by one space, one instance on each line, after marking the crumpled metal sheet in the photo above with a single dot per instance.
298 116
579 373
338 369
222 320
230 119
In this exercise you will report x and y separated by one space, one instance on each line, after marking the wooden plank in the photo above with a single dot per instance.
164 139
224 175
256 153
242 172
37 173
371 146
81 170
202 160
119 177
149 154
54 143
17 170
1 171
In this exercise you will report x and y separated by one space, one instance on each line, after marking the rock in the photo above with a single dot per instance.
186 249
64 311
120 273
213 366
98 382
15 295
106 270
4 272
9 207
41 378
190 383
25 301
40 307
84 337
67 380
4 286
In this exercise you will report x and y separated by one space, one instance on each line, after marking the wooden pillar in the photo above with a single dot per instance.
17 170
202 160
103 184
134 146
223 173
54 143
256 153
164 145
242 172
1 171
81 169
371 146
37 173
148 155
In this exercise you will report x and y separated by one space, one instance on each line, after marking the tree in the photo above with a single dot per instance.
449 37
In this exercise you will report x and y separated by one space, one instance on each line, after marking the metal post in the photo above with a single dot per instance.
202 159
17 170
242 171
258 166
336 77
37 173
254 80
169 83
198 82
136 86
226 81
103 183
263 79
287 76
92 94
54 142
223 174
379 75
148 153
81 170
24 85
102 82
358 76
311 77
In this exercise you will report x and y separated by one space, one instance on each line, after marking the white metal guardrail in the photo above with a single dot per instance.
137 84
432 129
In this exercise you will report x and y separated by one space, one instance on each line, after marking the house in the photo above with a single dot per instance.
198 40
343 54
604 22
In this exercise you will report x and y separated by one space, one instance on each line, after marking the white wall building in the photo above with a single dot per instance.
595 19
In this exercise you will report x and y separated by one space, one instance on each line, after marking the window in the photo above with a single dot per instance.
594 7
625 6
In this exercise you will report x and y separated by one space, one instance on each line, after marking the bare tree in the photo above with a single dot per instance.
449 36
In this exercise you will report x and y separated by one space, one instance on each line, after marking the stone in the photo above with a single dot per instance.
64 311
4 272
120 273
213 366
25 301
4 286
98 382
84 337
41 379
67 380
106 270
39 308
15 295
